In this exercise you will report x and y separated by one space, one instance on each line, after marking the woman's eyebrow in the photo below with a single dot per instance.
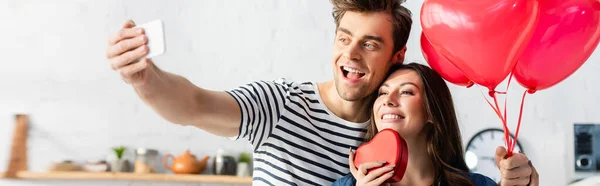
409 83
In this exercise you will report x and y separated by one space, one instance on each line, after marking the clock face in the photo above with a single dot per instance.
481 151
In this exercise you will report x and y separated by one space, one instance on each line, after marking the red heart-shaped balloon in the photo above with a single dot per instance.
386 145
482 38
442 66
566 35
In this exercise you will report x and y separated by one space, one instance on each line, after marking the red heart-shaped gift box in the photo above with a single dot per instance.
388 146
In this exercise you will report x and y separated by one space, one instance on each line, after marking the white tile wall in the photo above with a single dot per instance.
53 68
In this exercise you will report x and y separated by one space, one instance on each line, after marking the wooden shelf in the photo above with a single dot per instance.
18 167
131 176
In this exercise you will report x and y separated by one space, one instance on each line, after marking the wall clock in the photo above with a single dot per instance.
481 150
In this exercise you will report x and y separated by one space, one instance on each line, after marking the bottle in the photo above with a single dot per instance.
224 164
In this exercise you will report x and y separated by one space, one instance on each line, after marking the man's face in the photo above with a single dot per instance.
362 53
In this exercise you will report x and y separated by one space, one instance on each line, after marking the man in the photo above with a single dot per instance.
300 131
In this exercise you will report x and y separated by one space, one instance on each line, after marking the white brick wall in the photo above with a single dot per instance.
53 67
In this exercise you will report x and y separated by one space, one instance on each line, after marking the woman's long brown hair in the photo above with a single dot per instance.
444 144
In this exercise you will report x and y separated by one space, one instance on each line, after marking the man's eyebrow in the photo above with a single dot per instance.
345 31
367 37
378 39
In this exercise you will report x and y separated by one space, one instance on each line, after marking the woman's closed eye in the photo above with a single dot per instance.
382 93
407 92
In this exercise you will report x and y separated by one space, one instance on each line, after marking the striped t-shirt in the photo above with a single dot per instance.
295 138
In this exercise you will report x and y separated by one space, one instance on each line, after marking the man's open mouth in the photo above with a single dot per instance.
352 73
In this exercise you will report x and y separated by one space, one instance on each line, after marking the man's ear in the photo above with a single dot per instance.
398 57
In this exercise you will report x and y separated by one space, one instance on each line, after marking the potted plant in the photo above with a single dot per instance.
244 165
119 164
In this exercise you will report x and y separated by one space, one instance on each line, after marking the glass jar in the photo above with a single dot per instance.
146 161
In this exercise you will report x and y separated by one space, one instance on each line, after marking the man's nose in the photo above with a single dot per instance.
352 52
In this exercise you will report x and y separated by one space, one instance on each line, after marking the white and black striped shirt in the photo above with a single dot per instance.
296 139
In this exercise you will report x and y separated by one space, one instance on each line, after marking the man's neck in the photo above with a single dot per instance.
354 111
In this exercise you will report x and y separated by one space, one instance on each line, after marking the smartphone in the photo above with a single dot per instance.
155 31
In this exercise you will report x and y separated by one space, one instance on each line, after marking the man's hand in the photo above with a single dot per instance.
172 96
516 170
125 49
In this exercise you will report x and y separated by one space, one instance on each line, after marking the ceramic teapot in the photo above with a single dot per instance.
185 163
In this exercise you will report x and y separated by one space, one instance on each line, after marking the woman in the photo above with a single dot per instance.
416 102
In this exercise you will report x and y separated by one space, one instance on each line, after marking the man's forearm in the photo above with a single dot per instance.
171 96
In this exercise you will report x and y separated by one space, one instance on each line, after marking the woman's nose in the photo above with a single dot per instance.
389 103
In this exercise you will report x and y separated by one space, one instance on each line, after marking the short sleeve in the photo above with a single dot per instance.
261 104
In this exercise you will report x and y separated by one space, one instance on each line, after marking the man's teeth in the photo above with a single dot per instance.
352 70
392 116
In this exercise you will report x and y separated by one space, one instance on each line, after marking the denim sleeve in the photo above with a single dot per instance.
481 180
347 180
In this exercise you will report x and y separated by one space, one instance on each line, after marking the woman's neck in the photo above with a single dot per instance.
419 170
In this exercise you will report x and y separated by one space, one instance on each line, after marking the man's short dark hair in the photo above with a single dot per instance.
402 20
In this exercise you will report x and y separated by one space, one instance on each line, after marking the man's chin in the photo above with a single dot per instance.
352 94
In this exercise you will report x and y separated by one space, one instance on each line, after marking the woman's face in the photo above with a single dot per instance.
399 105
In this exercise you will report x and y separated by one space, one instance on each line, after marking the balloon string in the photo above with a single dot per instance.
497 111
506 114
519 122
506 97
494 108
506 131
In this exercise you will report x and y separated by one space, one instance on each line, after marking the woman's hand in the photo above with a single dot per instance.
374 178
